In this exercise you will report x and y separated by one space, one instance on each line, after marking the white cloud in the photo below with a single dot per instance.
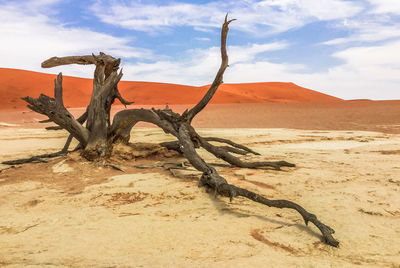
202 38
151 17
260 17
376 23
30 37
385 6
31 33
368 29
198 67
322 9
366 72
248 53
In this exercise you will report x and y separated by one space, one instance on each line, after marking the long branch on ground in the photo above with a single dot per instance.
97 137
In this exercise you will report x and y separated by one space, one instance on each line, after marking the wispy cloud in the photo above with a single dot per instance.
365 72
365 47
367 32
30 36
202 38
379 21
199 65
260 17
385 6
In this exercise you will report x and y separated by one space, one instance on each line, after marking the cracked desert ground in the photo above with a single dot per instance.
69 213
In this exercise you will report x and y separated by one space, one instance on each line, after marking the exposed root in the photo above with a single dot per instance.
233 144
37 158
99 139
224 154
213 180
113 166
220 186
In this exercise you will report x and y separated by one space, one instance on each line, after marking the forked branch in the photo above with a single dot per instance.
97 138
54 109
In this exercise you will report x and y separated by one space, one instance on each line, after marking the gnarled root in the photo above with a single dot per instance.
42 157
36 158
212 179
232 191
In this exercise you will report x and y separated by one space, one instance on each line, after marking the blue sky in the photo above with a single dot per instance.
349 49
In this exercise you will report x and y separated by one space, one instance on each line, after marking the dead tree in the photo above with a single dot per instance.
97 137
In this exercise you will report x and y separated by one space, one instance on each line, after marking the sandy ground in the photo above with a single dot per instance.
70 213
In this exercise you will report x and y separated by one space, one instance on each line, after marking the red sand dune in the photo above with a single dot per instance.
15 84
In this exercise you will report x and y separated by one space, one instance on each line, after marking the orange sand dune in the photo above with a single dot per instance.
15 84
276 92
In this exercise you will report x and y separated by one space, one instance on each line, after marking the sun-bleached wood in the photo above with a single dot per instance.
97 138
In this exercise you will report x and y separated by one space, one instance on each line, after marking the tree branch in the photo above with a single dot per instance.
97 138
36 158
211 178
80 119
233 144
125 120
82 60
231 191
121 99
55 110
218 78
226 156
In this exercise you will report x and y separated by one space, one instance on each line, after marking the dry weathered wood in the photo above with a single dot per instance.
218 78
45 121
36 158
114 166
105 82
124 121
234 148
121 99
233 144
96 140
225 155
67 144
172 145
58 113
57 61
231 191
104 92
80 119
82 60
213 180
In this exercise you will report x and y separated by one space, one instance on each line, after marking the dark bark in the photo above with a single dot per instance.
124 121
55 110
233 144
80 119
98 120
234 148
97 138
83 60
36 158
218 78
213 180
226 156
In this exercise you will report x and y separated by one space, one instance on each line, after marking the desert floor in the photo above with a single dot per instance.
70 213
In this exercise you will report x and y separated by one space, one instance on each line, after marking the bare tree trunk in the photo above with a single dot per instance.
99 108
97 138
